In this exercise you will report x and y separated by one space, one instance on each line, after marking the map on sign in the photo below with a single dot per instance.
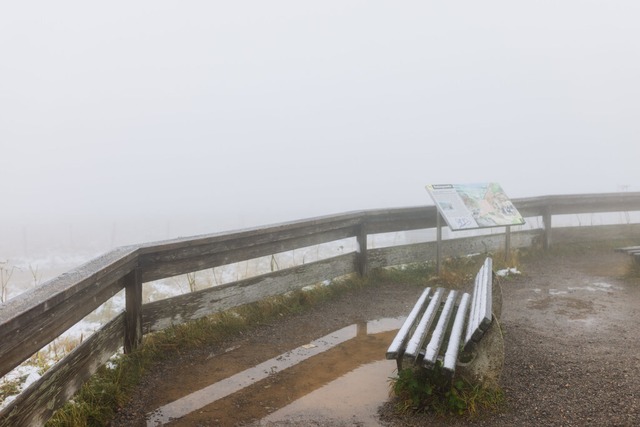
467 206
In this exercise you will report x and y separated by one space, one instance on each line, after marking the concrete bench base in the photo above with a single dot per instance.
481 341
487 359
482 364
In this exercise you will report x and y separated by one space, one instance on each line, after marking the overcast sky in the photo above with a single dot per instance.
261 111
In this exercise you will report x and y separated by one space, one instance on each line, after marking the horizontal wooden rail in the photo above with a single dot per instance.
33 319
161 314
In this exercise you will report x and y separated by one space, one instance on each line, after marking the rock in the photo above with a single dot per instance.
487 359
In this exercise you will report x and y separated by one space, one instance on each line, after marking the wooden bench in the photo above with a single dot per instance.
634 251
436 320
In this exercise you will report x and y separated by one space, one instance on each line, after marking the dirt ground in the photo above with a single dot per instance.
571 340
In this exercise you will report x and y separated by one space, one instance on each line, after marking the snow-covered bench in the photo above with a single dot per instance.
435 329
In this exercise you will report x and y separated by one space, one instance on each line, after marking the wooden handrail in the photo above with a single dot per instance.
33 319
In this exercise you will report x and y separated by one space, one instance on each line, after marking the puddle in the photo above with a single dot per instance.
354 397
342 374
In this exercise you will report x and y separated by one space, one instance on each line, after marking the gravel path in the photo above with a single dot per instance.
572 330
572 343
571 338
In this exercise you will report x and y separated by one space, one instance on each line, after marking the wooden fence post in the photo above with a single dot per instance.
133 314
363 264
546 220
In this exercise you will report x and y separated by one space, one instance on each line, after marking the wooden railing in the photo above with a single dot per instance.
33 319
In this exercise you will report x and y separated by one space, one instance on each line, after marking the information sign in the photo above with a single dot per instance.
469 206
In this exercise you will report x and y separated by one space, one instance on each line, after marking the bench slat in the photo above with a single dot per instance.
403 334
451 355
420 334
486 297
475 309
628 249
437 336
472 311
418 342
480 317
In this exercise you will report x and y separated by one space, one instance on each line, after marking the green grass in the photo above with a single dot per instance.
10 388
434 391
110 388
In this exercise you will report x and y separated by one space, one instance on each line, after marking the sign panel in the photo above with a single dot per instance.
468 206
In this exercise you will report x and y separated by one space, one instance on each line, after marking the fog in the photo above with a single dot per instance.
152 119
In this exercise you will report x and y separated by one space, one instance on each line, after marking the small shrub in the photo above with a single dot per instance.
424 390
98 399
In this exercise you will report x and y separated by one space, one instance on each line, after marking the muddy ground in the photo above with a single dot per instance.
572 329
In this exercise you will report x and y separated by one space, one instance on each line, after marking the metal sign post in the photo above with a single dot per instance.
507 243
438 242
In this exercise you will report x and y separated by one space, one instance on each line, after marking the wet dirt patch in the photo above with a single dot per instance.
541 304
197 369
559 304
354 397
273 384
575 308
569 358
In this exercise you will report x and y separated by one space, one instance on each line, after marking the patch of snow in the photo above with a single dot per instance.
507 272
30 375
8 400
603 285
588 288
82 328
160 289
20 372
32 378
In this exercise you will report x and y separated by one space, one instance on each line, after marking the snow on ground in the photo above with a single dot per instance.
507 272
